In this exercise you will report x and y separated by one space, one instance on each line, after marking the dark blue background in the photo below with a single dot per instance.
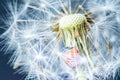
6 72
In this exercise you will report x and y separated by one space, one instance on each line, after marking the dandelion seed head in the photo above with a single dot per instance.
39 31
71 21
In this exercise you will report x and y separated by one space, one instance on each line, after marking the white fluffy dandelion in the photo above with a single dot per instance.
62 39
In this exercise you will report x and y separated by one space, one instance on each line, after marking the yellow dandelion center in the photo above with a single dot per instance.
70 21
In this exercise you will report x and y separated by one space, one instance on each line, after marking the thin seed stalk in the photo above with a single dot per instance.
84 44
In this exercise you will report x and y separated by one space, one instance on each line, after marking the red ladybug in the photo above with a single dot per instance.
72 57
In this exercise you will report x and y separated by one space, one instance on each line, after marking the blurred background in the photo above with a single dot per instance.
6 72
